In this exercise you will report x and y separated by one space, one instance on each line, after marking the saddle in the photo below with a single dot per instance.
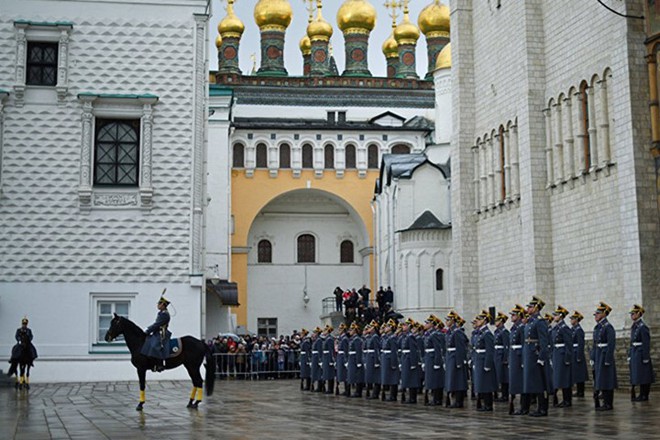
175 348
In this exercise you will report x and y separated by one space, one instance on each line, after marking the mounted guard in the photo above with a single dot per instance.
158 336
23 355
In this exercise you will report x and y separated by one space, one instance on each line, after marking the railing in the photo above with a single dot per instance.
258 365
329 305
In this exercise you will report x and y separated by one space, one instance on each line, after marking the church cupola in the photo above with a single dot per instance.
390 46
230 31
273 17
433 21
356 19
406 35
319 32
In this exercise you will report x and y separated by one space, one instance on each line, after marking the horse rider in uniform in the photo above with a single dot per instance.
536 357
372 360
455 360
356 360
23 345
305 360
157 344
342 356
389 360
602 356
328 359
639 356
579 371
434 354
502 356
317 348
561 339
515 360
485 379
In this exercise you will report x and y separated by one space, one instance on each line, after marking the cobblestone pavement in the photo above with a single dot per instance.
279 410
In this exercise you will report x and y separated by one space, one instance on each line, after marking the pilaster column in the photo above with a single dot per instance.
507 165
85 183
491 172
581 136
62 65
3 96
483 177
515 162
569 142
146 189
21 54
497 165
549 164
604 125
559 144
592 130
475 177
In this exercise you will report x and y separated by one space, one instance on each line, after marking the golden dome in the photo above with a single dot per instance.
444 58
356 15
218 41
231 25
433 21
273 14
406 32
319 29
305 45
390 47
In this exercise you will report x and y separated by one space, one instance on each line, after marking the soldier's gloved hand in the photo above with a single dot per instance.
399 366
567 363
332 364
320 364
540 362
423 367
359 365
645 361
486 369
628 359
413 367
591 363
346 365
436 367
376 365
607 364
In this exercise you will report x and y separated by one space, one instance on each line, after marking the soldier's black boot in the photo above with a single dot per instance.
512 397
566 398
319 386
347 389
337 388
524 405
302 384
413 396
375 392
633 398
368 393
542 406
608 400
393 394
460 399
403 395
358 390
555 400
580 390
645 391
448 400
308 384
437 397
479 402
331 387
488 402
426 398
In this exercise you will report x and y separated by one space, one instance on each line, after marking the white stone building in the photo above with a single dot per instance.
102 128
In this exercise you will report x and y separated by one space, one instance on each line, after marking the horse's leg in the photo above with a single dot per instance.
142 376
22 373
198 383
27 377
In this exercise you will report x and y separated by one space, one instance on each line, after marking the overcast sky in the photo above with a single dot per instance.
292 57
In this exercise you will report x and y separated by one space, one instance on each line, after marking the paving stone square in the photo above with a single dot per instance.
279 410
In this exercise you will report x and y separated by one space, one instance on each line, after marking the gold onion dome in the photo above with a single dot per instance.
319 29
305 45
434 20
390 47
444 58
231 25
273 14
406 32
357 15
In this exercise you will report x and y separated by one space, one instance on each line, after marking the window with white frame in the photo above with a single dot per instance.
41 57
267 327
116 156
103 306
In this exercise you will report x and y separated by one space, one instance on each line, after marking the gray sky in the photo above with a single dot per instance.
296 30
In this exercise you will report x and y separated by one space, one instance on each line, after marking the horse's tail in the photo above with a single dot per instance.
12 368
210 371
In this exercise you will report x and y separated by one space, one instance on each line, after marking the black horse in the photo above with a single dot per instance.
22 359
193 352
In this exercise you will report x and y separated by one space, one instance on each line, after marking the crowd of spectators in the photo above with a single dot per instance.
357 306
256 357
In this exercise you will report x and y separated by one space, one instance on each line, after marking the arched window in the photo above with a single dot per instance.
329 157
262 156
350 157
285 156
502 170
346 254
372 156
439 279
307 156
306 248
264 252
238 159
586 142
401 149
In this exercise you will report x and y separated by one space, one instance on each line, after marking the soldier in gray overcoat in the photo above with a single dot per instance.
604 346
305 360
579 372
455 360
485 379
502 356
409 361
561 341
356 360
434 354
317 348
389 360
342 358
518 314
639 356
328 359
536 357
372 360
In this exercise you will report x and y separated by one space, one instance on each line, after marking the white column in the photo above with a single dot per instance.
549 164
491 173
85 183
569 147
507 165
592 130
483 176
604 126
21 56
475 177
319 160
559 144
146 189
3 96
272 159
62 65
515 162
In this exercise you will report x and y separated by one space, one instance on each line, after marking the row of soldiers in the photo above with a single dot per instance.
536 358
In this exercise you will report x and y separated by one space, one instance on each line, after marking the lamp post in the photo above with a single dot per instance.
305 296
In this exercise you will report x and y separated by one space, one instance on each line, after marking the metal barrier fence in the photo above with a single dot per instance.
258 365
